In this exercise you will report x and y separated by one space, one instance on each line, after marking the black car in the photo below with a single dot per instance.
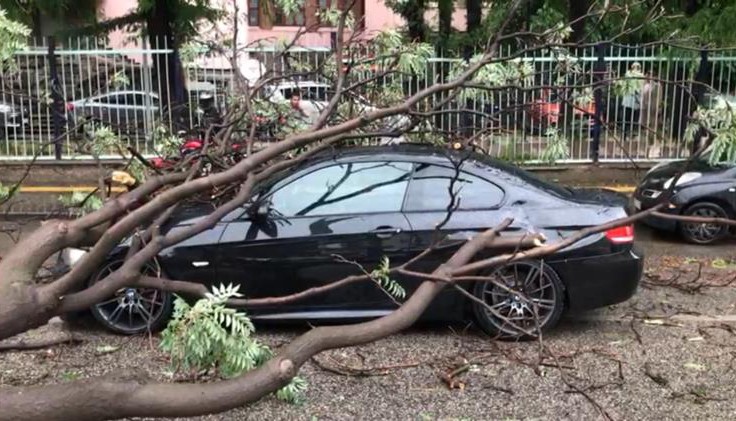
366 203
703 189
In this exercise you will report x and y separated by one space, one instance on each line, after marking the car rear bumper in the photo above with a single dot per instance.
599 281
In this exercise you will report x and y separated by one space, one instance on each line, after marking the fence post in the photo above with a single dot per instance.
599 72
698 90
57 106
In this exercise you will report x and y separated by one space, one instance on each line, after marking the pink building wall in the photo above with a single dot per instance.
378 17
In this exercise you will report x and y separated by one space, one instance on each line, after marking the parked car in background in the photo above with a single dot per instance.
703 189
138 111
13 120
366 203
126 111
315 96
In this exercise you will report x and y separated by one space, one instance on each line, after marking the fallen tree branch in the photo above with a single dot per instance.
30 344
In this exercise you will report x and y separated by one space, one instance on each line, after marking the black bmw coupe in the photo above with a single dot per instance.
362 204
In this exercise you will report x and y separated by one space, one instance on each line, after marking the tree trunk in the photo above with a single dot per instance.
414 16
576 10
166 66
445 8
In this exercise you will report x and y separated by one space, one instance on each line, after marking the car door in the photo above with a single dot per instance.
99 107
475 206
326 222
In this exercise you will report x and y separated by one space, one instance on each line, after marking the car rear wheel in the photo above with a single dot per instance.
131 311
703 233
522 300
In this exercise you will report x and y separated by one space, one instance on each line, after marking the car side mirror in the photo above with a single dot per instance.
260 209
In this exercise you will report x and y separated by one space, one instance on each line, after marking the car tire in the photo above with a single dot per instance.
704 233
539 285
132 311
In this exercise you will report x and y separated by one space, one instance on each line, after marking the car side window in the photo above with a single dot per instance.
107 99
429 190
365 187
136 99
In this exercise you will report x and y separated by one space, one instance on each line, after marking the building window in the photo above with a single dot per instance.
253 12
279 18
283 20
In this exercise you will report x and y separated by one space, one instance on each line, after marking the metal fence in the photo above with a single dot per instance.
56 84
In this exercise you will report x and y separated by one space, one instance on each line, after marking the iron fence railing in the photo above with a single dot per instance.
55 84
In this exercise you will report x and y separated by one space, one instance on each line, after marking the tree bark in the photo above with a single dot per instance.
445 8
167 67
414 16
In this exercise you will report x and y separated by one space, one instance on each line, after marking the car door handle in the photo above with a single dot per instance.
386 232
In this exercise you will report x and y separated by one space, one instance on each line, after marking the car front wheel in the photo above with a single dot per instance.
521 300
704 233
132 311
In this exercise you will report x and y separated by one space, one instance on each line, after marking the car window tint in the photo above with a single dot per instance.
345 188
429 190
108 99
136 99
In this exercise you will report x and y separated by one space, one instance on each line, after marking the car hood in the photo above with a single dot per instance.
671 169
663 172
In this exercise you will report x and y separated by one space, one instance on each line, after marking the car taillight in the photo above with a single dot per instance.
621 235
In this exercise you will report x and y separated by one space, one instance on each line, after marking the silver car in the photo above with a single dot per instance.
124 111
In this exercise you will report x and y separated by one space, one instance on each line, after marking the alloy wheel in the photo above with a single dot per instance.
523 299
131 310
704 232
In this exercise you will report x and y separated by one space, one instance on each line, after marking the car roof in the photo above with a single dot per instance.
417 150
422 152
125 92
300 84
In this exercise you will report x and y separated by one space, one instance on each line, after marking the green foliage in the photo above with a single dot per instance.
557 146
119 80
332 17
4 192
59 10
167 143
104 140
13 37
630 84
512 72
290 7
551 23
718 120
137 170
83 202
209 335
381 275
413 57
70 375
